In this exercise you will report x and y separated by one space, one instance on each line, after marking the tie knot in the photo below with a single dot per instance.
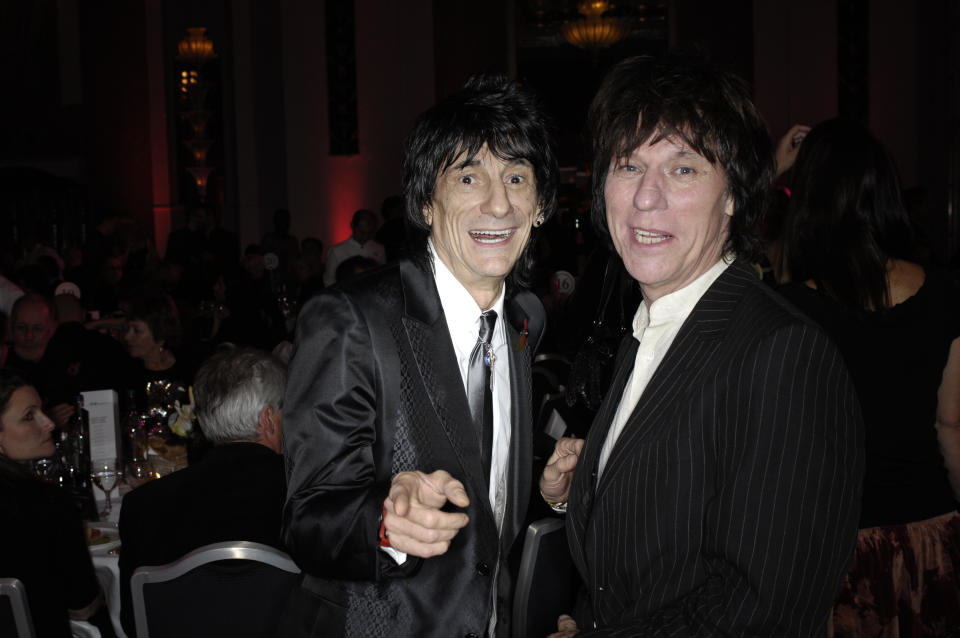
487 321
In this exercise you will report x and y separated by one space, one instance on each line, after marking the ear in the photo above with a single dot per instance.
427 215
269 428
538 218
728 205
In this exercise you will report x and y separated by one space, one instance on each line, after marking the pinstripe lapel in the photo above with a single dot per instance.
583 488
436 361
688 357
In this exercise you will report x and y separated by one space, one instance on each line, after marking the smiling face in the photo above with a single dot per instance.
668 211
25 431
480 220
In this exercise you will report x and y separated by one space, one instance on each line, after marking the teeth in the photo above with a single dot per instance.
646 237
490 236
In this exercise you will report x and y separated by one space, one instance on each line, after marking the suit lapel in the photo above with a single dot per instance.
584 479
521 437
437 363
689 355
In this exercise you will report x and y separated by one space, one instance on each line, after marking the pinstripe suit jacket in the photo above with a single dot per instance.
729 504
374 390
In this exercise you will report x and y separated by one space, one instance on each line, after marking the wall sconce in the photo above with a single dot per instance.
196 49
201 175
193 54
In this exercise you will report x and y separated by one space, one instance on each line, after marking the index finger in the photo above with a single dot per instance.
448 488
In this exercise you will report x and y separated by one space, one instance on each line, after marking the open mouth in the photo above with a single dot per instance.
492 236
647 237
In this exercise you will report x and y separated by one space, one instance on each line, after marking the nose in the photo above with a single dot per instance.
46 423
498 201
649 194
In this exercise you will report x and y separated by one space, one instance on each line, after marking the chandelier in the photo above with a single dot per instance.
196 49
595 31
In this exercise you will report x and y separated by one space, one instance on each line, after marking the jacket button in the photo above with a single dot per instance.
483 569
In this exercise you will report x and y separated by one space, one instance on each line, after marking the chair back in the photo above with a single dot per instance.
547 580
234 588
15 619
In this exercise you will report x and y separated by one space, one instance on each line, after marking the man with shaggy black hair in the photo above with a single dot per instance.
408 428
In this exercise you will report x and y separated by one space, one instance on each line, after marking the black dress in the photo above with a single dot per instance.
896 358
903 579
43 544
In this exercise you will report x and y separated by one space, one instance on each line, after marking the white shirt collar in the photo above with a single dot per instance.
677 305
460 308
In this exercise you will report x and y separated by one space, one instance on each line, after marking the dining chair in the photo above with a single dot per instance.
547 580
234 588
15 619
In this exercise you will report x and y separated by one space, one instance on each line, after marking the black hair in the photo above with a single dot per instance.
645 99
489 110
157 309
846 218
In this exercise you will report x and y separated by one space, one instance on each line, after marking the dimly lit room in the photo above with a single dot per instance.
507 318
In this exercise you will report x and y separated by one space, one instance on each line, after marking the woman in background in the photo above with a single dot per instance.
850 256
152 334
44 544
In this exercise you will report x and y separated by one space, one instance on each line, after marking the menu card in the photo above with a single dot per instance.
102 408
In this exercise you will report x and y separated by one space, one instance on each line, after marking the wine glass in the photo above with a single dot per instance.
105 474
45 469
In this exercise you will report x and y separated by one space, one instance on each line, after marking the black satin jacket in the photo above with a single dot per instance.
374 390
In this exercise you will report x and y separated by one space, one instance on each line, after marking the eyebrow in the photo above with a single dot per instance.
516 161
686 151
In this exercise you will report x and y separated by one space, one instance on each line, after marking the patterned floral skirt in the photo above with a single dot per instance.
904 582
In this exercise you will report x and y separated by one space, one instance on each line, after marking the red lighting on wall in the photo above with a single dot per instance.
347 194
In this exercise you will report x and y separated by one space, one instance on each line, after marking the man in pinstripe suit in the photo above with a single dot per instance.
717 492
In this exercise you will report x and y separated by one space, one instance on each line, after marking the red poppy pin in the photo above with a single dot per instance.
523 336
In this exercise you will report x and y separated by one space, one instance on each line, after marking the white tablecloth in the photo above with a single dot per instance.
107 566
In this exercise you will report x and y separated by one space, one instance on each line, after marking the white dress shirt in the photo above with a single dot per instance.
350 247
463 322
655 327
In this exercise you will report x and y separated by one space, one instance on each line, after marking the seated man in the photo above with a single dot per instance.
235 493
32 324
59 356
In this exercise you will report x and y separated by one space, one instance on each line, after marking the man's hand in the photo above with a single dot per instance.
566 627
413 520
557 475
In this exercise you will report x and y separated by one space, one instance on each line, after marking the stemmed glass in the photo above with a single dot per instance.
105 474
45 469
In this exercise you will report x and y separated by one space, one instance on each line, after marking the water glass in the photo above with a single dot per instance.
106 473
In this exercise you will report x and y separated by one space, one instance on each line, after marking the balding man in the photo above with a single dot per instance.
61 358
32 324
